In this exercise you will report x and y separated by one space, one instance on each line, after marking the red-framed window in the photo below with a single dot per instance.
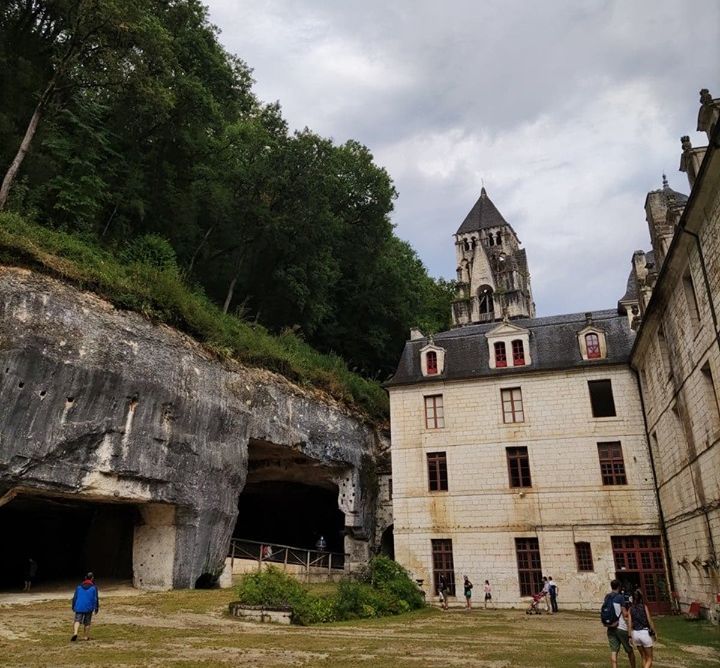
583 554
530 575
518 467
512 405
431 362
592 344
500 354
437 472
612 464
518 351
434 413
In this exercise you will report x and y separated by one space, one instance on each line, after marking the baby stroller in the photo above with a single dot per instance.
534 608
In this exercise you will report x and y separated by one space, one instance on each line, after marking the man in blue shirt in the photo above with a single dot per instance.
85 601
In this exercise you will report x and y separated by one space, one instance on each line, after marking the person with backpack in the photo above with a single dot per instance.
615 617
553 591
642 627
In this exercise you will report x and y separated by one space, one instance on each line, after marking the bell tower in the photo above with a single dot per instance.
492 272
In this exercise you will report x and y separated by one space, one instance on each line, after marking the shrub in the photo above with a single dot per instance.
151 250
391 578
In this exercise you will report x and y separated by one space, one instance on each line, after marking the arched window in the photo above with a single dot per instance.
500 354
491 240
466 243
518 351
592 343
431 363
498 238
486 300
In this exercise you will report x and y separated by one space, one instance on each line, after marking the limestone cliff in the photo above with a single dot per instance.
101 404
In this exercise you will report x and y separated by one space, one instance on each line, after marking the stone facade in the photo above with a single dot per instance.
566 502
677 354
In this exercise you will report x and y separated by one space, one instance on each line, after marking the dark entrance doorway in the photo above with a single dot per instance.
387 543
289 499
66 538
640 565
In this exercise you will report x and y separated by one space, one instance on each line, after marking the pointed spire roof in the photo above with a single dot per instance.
671 194
483 215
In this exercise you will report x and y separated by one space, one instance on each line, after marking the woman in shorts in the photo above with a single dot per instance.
488 593
467 588
643 629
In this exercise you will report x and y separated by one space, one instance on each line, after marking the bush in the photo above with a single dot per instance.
152 251
383 588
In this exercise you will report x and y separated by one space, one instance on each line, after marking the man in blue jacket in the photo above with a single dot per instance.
84 603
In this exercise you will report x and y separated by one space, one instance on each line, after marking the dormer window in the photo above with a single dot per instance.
431 362
592 345
500 354
518 351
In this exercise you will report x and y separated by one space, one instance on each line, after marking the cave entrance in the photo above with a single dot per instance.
289 499
66 538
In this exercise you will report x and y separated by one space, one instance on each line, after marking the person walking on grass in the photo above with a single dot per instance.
85 602
488 593
615 617
467 588
642 629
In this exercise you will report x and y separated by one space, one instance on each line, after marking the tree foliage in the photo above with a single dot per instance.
146 128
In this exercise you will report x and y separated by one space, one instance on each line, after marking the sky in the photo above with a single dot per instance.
569 112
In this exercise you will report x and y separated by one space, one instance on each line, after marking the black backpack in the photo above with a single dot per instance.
608 616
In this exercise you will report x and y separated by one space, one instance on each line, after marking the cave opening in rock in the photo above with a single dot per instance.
66 538
289 499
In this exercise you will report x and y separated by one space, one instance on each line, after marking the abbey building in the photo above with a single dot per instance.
584 445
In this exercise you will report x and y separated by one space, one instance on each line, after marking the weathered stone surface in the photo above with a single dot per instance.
102 404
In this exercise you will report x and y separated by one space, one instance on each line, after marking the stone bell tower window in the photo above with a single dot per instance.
518 351
486 300
500 354
592 343
431 361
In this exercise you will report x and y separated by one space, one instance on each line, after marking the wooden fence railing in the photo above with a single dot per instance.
285 555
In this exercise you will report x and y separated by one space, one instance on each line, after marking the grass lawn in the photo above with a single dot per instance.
191 628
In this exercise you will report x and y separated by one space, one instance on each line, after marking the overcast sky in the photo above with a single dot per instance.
569 111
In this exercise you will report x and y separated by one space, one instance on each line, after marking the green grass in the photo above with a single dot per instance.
163 296
192 628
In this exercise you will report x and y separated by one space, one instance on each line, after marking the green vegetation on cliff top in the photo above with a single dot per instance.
161 294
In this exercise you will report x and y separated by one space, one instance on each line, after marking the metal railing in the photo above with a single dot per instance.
285 555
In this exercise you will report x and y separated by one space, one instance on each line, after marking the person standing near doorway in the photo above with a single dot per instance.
85 602
553 591
30 573
442 589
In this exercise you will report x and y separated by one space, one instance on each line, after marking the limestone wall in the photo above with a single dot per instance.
567 502
101 404
681 402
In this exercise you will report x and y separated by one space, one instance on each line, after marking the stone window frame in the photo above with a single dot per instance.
518 462
529 565
583 557
500 350
437 468
434 411
583 343
596 399
510 400
508 333
612 463
518 352
443 563
439 360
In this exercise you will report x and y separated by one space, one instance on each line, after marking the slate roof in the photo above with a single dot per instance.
553 346
483 215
